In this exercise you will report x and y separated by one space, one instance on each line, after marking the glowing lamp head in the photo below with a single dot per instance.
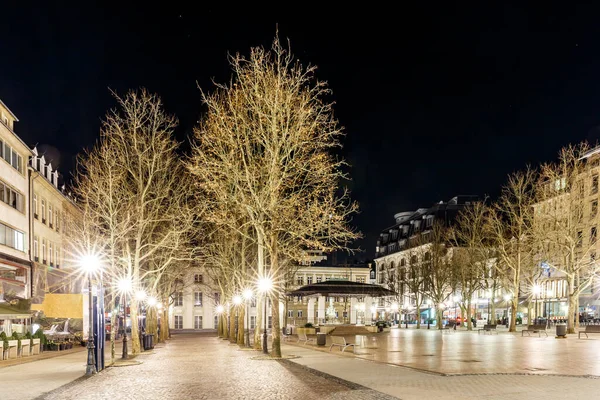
395 306
237 299
140 295
247 294
151 301
220 309
159 306
457 298
537 289
507 297
373 309
124 285
90 263
265 285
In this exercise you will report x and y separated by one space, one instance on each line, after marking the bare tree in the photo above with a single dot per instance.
512 234
265 151
567 240
132 180
471 253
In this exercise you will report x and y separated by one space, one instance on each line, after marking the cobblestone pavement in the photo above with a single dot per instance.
202 367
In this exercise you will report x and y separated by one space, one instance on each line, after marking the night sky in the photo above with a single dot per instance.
435 101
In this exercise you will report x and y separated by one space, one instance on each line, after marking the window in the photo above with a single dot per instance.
299 313
593 235
43 251
594 184
179 322
36 254
12 238
252 322
11 197
12 157
594 209
216 323
361 279
35 206
309 280
178 299
198 278
56 212
299 280
56 257
270 320
198 299
290 313
50 220
43 211
198 322
327 279
50 252
217 298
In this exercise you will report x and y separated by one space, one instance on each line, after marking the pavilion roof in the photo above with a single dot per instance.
341 288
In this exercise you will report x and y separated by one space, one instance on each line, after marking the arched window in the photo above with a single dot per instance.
403 262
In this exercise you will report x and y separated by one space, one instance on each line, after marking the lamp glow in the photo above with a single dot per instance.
90 263
237 299
247 294
124 285
536 289
151 301
507 297
140 295
220 309
265 285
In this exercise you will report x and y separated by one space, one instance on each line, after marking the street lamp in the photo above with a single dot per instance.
90 263
247 296
124 287
536 291
507 298
456 300
428 302
265 285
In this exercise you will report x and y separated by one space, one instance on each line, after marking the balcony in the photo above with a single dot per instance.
35 216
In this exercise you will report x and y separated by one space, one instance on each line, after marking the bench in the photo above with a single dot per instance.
590 329
303 338
535 329
35 347
12 348
488 328
25 347
449 326
341 342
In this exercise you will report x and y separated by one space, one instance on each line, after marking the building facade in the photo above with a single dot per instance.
15 265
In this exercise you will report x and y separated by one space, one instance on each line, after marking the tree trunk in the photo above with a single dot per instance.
165 332
493 311
135 333
113 329
259 298
232 338
513 316
469 315
240 323
572 305
221 326
260 301
418 309
439 316
275 327
152 322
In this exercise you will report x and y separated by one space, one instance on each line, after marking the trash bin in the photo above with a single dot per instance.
321 339
561 330
149 342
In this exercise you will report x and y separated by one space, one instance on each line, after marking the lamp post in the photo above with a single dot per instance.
456 300
489 312
265 285
90 263
247 296
124 288
536 291
406 308
428 313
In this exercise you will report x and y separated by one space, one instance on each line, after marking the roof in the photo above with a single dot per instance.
10 112
342 288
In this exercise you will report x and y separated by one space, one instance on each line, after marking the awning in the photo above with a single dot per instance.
342 288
